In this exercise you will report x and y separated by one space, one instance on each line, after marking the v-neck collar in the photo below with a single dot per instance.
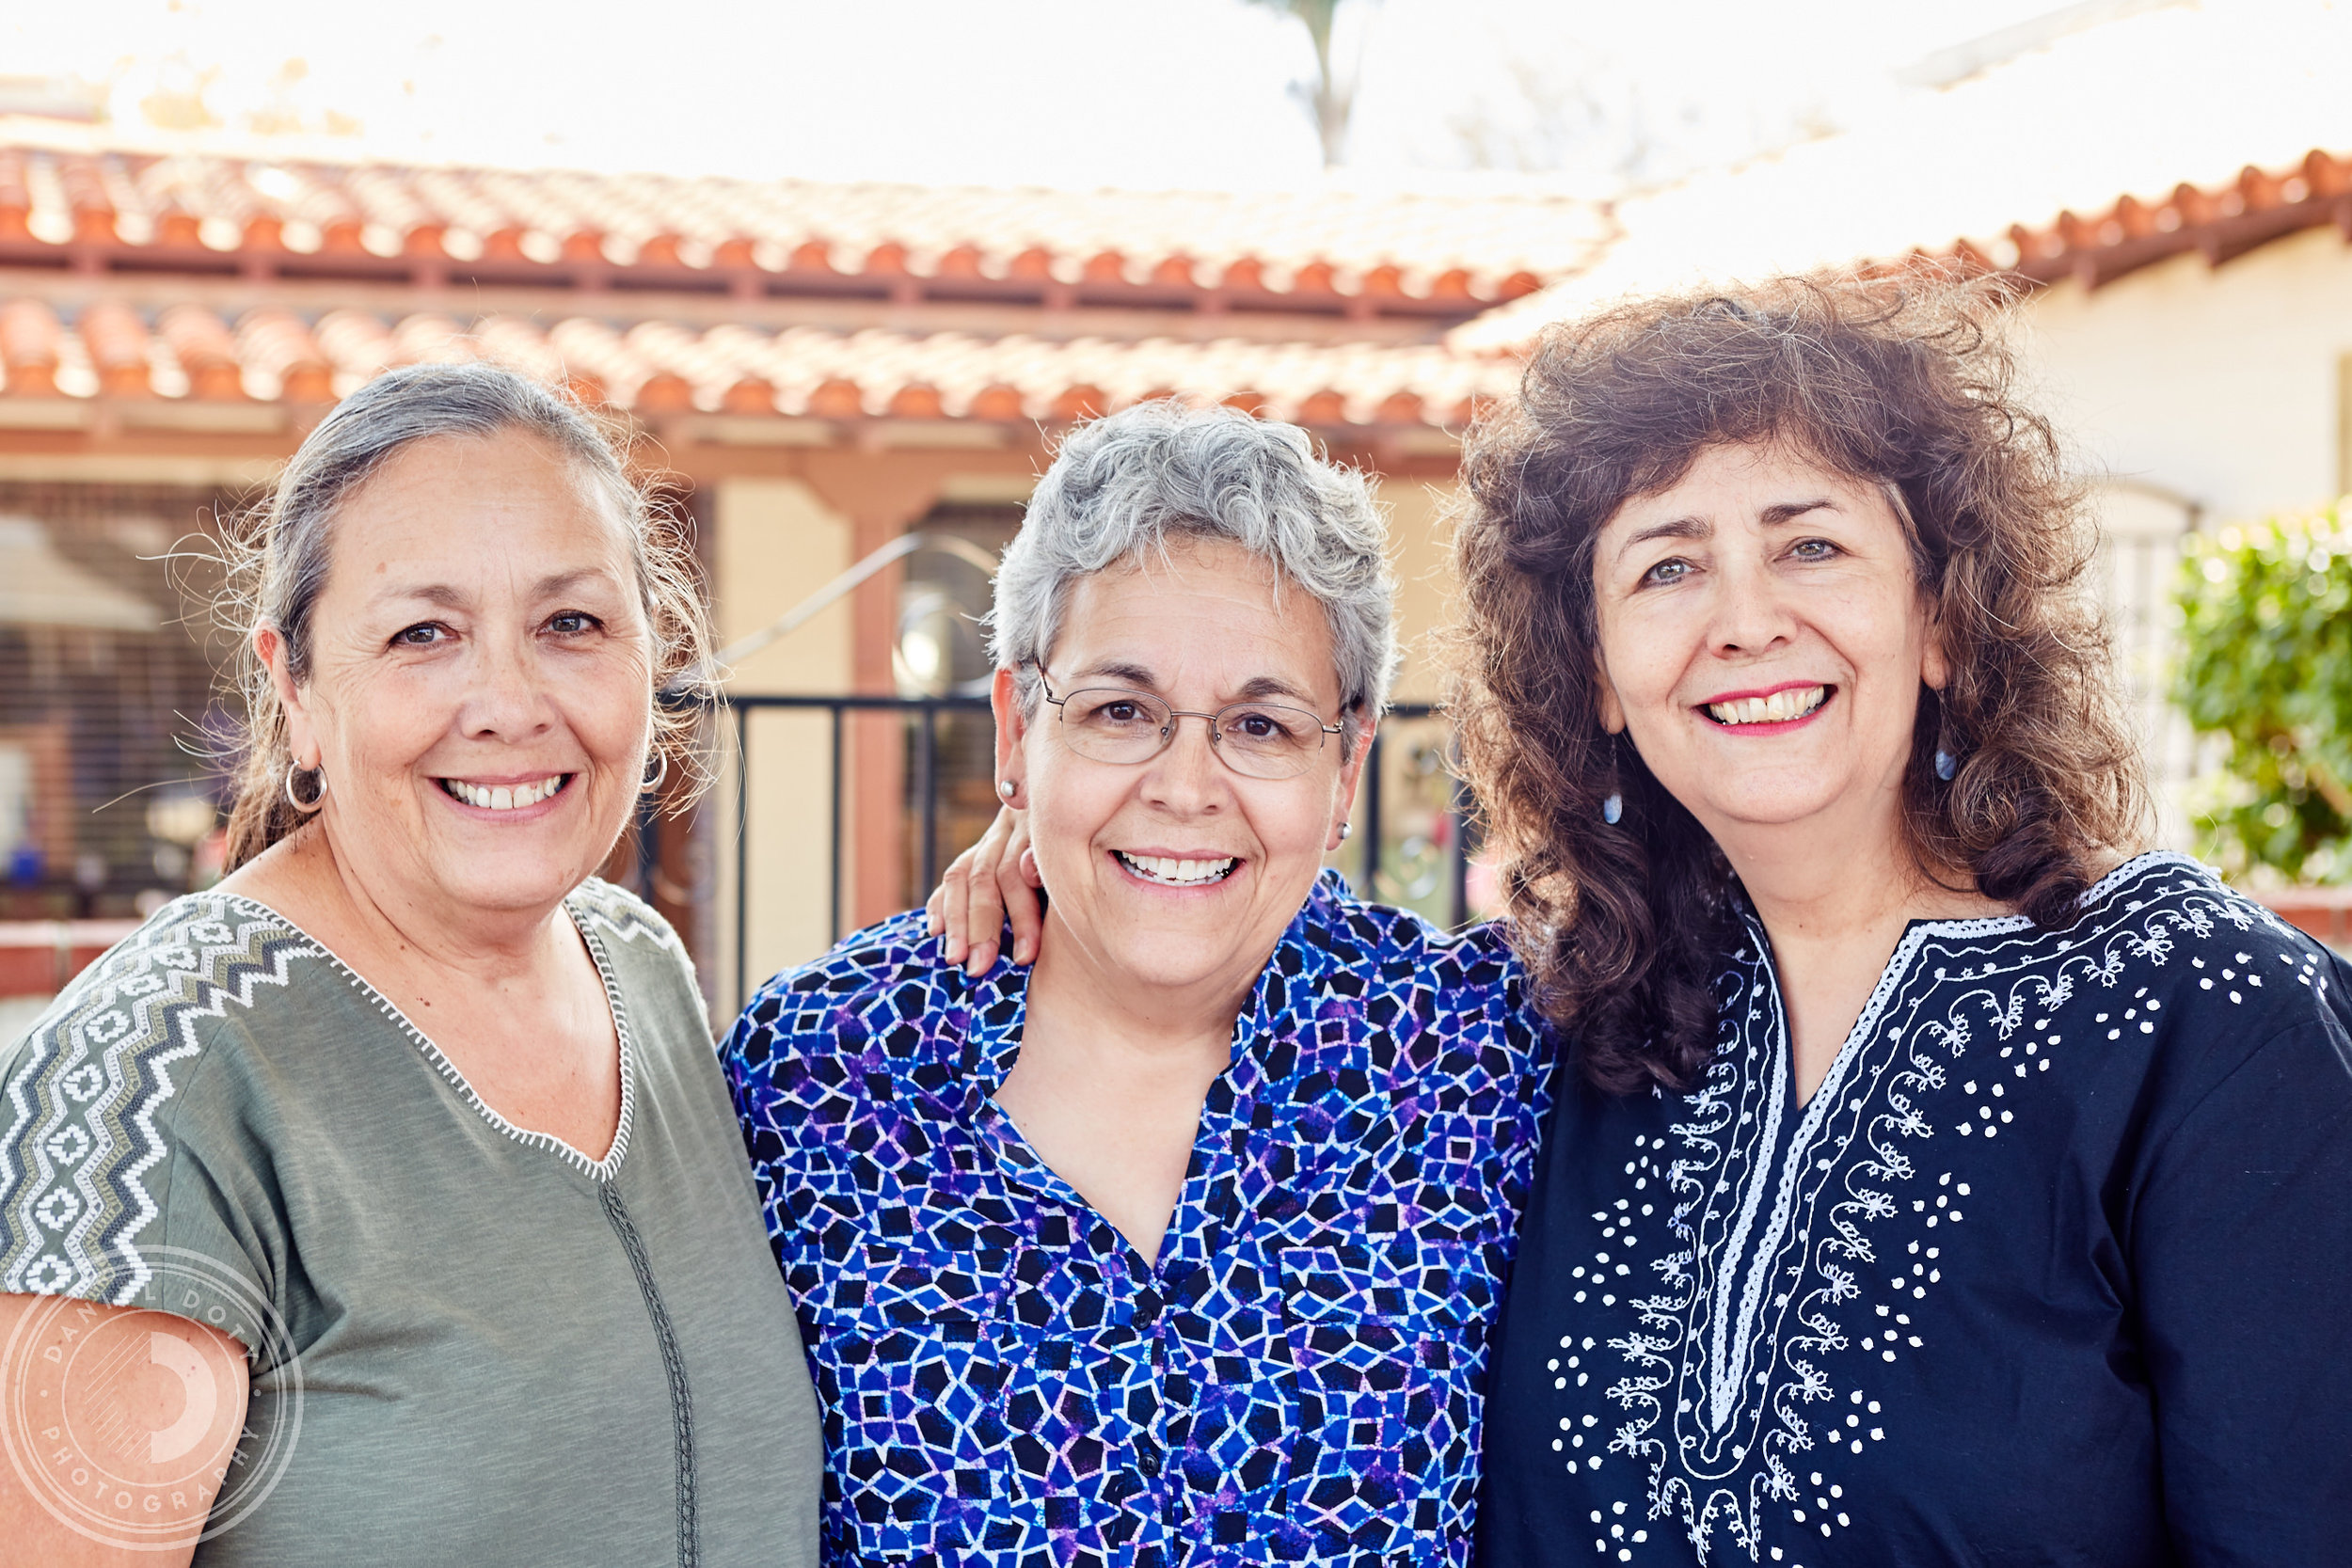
1781 1154
1915 935
999 1009
594 1169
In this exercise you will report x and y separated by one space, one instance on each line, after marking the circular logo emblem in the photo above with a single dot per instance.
114 1424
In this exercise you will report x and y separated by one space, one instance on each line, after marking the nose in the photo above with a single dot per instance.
506 696
1185 778
1751 615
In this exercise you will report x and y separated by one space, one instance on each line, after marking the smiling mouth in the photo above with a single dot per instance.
1796 702
1168 871
505 796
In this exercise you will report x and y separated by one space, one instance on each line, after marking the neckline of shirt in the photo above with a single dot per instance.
1817 1107
1914 936
990 1047
595 1170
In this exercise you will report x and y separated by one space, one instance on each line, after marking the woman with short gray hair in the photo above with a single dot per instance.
1180 1245
403 1152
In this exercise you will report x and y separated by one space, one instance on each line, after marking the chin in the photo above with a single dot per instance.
1766 806
1164 958
508 881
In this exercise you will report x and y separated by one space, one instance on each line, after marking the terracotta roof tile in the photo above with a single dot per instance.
356 345
282 361
1459 245
2124 136
666 367
206 351
30 342
119 348
2218 221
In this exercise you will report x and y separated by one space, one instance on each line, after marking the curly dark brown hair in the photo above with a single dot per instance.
1905 382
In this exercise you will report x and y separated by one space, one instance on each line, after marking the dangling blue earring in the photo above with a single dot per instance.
1946 748
1945 765
1612 805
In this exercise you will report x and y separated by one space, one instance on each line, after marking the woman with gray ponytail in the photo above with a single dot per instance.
385 1203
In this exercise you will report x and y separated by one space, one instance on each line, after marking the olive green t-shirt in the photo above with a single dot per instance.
469 1342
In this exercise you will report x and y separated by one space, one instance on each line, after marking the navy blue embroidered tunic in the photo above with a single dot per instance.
2051 1269
1005 1380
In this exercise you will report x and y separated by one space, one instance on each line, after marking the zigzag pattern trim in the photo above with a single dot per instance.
98 1070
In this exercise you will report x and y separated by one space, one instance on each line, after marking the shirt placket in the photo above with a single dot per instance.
1154 1522
1159 1512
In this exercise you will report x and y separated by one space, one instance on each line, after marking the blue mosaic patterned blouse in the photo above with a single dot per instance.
2052 1269
1297 1377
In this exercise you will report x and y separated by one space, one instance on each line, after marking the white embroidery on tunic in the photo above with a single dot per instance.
1752 1330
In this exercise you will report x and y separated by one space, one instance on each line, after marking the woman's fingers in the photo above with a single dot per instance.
984 909
1018 884
969 911
994 882
947 896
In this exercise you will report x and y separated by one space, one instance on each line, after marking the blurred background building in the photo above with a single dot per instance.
849 389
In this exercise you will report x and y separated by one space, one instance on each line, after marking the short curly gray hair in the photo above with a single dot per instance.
1160 470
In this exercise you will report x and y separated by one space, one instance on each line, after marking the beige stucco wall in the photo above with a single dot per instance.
1414 793
2193 395
2220 382
1425 580
777 544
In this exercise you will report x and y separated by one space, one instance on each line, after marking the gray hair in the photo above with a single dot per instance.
278 555
1126 485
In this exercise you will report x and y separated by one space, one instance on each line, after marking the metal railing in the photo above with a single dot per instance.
1429 868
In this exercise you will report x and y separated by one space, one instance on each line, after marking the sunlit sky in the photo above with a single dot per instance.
1139 93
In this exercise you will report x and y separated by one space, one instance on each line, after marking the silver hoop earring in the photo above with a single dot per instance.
661 771
316 800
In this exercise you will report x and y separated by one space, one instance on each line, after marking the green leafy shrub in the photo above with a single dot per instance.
2267 627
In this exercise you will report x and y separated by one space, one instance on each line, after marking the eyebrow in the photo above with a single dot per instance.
1699 528
1782 512
1674 528
1252 690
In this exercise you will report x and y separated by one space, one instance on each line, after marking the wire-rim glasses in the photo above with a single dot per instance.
1258 740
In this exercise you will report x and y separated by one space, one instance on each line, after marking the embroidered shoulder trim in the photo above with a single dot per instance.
628 917
96 1072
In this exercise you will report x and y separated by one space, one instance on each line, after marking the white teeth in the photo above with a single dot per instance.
1794 703
1172 872
504 798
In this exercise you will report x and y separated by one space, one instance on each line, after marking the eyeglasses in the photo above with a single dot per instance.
1258 740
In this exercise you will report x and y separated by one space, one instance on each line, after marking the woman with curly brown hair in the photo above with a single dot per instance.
1931 1181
